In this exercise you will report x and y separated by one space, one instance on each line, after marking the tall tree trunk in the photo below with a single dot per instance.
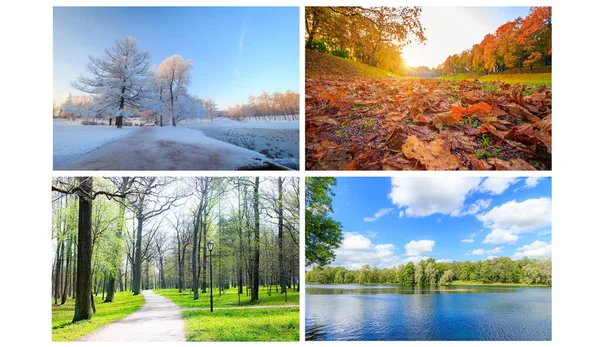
282 275
163 284
65 289
57 272
256 265
195 253
204 254
83 304
137 266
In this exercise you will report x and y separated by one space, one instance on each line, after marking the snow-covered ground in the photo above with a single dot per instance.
278 140
72 139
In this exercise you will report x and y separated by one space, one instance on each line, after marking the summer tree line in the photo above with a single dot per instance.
430 272
122 83
135 233
370 35
522 43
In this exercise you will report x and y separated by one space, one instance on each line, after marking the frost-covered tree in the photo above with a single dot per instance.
119 79
210 106
173 76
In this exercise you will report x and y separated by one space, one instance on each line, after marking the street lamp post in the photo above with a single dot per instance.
210 248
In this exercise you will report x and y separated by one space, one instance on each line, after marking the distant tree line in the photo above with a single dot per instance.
522 43
266 105
430 272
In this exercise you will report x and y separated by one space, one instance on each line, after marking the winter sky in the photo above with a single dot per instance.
236 51
451 30
387 222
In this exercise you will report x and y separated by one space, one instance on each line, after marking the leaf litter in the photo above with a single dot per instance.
426 124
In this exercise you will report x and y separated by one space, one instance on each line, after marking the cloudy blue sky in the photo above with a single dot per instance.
236 51
387 222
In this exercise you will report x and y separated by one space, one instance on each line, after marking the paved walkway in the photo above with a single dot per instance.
158 320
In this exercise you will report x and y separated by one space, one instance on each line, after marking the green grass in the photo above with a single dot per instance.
472 283
63 330
326 64
524 78
228 299
281 324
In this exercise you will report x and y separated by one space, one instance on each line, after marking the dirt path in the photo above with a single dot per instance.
152 149
158 320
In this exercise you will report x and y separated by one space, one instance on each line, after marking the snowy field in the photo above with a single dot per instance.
72 139
278 140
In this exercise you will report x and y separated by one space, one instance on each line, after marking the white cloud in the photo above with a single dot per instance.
531 182
416 259
491 257
420 247
518 217
357 250
495 250
497 185
471 239
382 212
499 236
400 214
536 249
371 234
544 233
479 206
424 196
482 251
444 260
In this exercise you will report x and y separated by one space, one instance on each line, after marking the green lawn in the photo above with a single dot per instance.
228 299
469 283
281 324
238 324
534 78
63 330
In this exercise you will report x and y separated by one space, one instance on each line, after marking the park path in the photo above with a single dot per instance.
171 148
159 319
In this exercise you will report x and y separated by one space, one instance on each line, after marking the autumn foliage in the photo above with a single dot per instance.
522 43
427 124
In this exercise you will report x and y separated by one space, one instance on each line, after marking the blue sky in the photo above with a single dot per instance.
387 222
451 30
236 51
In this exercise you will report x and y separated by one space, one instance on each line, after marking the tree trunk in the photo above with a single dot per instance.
195 254
137 266
83 302
65 289
204 283
256 265
282 271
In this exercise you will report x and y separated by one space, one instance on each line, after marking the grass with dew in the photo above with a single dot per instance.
63 329
280 324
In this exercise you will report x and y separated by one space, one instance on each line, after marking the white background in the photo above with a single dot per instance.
26 135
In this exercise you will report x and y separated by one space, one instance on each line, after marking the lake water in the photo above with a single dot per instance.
388 312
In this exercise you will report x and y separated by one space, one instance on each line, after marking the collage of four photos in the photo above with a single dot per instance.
217 174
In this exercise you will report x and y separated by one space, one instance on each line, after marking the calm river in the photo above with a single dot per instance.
388 312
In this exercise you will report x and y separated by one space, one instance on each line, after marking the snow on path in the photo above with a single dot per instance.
159 320
167 148
72 140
